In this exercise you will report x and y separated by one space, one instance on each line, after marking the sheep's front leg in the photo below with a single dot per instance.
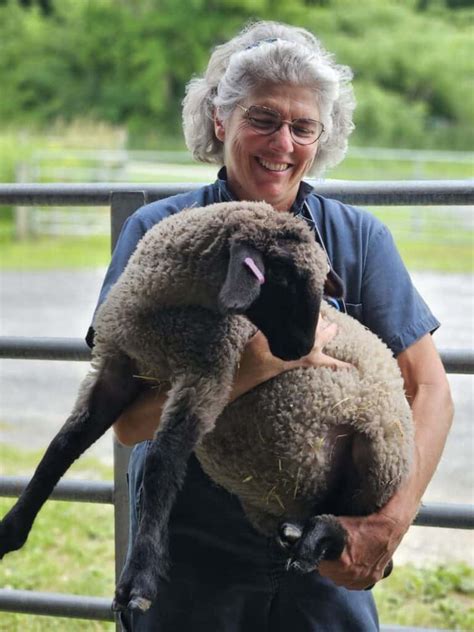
202 350
321 538
165 467
103 397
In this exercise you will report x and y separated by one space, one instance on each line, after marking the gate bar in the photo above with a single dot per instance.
56 605
458 361
82 491
394 192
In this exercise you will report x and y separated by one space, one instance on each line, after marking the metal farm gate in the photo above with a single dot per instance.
124 199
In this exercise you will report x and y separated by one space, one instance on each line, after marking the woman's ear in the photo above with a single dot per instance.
219 129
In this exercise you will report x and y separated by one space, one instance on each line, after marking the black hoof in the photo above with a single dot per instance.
138 604
12 536
288 534
141 604
117 606
322 538
388 569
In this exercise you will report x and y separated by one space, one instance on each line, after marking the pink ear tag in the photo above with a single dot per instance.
250 263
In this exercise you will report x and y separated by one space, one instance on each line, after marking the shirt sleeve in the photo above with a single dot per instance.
132 231
392 307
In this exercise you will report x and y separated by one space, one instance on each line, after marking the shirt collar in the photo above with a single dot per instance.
226 195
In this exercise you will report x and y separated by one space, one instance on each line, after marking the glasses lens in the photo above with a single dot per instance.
263 120
306 131
266 121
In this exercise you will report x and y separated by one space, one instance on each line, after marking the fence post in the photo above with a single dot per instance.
22 213
122 204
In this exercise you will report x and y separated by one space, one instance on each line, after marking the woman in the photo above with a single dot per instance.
272 107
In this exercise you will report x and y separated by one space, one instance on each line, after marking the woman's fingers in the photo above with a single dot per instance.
322 359
325 332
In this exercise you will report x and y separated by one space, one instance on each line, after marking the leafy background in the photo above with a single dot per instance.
126 62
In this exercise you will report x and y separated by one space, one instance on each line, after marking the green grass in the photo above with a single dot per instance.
70 550
353 168
418 252
429 240
438 597
55 252
428 249
446 247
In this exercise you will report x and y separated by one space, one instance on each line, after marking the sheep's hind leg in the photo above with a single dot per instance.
102 399
182 424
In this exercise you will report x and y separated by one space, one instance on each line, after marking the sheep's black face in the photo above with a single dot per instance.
281 299
287 310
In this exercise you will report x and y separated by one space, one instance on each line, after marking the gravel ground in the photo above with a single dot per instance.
36 396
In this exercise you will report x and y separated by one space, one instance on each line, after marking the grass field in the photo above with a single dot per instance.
55 253
424 250
70 550
427 239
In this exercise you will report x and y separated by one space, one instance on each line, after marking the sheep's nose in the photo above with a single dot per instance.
292 349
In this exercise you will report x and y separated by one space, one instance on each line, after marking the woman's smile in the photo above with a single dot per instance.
276 167
268 166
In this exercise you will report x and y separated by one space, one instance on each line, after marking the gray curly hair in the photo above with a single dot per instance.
274 53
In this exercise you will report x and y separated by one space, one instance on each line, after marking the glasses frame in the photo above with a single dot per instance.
280 124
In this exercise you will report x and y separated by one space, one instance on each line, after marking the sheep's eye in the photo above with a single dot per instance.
278 274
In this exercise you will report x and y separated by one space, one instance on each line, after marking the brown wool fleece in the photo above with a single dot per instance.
314 440
317 440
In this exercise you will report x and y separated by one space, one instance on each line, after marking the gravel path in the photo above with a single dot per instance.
36 396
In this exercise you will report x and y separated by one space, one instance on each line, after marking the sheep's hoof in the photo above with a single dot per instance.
12 535
139 603
288 534
388 569
322 538
139 582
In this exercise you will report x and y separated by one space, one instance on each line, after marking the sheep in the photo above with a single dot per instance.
318 442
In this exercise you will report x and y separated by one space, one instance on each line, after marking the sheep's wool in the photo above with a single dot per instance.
293 446
313 440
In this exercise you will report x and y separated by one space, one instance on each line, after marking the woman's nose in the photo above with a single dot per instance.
282 139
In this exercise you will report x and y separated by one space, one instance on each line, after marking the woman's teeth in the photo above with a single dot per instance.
274 166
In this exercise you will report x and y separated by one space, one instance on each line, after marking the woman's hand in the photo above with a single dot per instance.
257 364
371 543
141 419
372 540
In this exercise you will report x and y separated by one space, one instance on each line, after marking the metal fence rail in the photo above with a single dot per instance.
458 361
123 199
447 515
396 192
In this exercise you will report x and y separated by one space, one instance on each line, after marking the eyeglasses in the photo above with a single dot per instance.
266 121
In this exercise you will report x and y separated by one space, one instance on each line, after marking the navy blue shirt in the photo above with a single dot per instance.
378 289
225 576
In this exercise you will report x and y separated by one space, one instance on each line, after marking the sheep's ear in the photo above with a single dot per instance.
334 285
245 275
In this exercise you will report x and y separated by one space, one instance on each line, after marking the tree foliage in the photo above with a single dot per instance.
127 61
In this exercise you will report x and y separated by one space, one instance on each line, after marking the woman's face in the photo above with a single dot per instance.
268 168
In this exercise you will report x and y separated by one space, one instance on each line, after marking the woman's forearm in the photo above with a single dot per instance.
372 540
432 410
432 407
140 421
